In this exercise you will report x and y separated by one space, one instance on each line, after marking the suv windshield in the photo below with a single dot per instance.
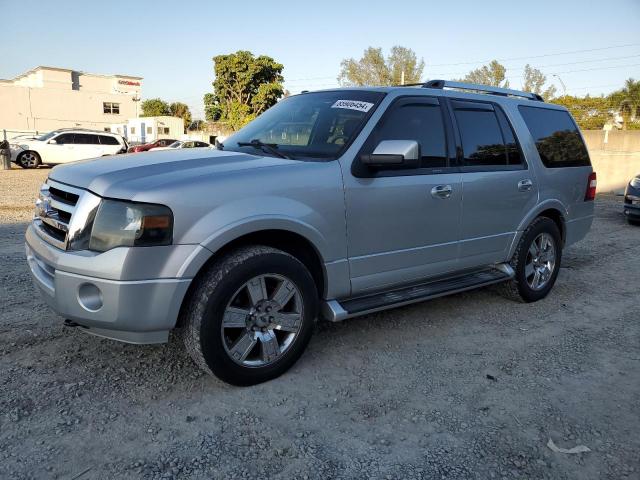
47 136
311 125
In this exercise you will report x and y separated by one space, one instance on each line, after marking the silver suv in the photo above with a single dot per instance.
331 204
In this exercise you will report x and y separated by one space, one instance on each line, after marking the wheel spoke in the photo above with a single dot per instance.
288 322
528 270
257 290
235 318
284 292
270 347
533 250
243 346
536 279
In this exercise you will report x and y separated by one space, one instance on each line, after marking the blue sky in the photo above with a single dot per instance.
171 44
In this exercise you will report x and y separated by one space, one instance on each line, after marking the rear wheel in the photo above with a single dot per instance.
29 159
536 261
251 315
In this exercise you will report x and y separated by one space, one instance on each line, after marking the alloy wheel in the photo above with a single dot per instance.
541 261
262 320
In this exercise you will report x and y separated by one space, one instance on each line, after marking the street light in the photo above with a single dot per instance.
564 88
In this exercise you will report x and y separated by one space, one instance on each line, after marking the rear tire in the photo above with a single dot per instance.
29 159
536 262
251 315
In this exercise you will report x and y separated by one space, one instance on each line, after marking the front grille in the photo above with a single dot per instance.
55 208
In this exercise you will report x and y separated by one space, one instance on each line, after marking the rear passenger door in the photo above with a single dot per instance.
498 186
87 145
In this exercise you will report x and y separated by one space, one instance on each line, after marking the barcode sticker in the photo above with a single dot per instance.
353 105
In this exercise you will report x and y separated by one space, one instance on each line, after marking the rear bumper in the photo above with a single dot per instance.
134 311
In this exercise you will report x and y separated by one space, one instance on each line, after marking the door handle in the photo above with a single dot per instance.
441 191
525 185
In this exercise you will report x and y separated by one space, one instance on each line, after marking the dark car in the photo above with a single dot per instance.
162 142
632 201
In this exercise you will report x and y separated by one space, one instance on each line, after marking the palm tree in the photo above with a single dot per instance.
628 101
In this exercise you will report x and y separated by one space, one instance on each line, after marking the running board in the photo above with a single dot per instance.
336 311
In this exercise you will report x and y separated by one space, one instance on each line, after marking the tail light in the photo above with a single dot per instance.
591 187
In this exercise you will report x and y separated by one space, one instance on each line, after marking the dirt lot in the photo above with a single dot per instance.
470 386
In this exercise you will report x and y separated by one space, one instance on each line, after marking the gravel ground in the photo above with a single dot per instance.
469 386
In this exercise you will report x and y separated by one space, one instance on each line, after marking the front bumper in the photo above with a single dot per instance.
134 311
632 211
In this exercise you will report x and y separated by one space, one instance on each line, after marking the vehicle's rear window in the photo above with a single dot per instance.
557 138
106 140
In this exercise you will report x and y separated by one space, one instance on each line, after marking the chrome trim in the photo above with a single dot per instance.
47 211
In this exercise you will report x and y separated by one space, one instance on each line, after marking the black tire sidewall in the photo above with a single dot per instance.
542 225
212 347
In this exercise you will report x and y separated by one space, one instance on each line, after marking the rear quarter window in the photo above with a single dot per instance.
557 137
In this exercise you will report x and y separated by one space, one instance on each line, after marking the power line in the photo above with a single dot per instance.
538 56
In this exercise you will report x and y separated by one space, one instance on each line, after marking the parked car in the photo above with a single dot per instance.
632 201
185 144
162 142
335 204
64 146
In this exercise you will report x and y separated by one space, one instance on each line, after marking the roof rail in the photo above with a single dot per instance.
505 92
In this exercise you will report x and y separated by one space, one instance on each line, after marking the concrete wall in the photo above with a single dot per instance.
615 156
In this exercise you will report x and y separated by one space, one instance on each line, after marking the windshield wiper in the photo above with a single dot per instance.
272 148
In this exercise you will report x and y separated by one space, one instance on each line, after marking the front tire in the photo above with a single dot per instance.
29 159
536 261
251 315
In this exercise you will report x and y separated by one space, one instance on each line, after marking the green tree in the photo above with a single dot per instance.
535 80
591 113
244 87
154 107
179 109
493 74
373 69
627 101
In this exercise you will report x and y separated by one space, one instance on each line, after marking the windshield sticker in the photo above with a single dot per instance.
353 105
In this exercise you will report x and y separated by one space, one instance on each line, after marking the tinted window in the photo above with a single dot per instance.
422 122
557 138
65 138
105 140
514 154
482 141
86 139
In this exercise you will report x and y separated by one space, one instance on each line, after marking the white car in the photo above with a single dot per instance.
64 146
184 144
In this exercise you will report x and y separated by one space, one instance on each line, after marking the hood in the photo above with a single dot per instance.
127 176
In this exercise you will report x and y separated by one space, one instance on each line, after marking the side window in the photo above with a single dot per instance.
107 140
64 139
413 119
514 154
86 139
482 141
557 138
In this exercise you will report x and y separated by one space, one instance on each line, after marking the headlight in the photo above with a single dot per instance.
15 146
126 224
635 182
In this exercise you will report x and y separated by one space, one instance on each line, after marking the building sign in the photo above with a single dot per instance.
129 82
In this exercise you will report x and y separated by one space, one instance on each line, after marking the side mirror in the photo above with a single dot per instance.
390 154
53 142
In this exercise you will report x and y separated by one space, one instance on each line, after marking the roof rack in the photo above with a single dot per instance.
505 92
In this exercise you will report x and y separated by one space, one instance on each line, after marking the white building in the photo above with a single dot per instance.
47 98
149 129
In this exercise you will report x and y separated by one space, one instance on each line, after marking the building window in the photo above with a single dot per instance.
111 108
133 130
166 130
149 130
107 129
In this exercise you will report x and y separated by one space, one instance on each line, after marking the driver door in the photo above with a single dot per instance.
403 225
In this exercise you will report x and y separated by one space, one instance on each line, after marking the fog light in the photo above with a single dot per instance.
90 297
